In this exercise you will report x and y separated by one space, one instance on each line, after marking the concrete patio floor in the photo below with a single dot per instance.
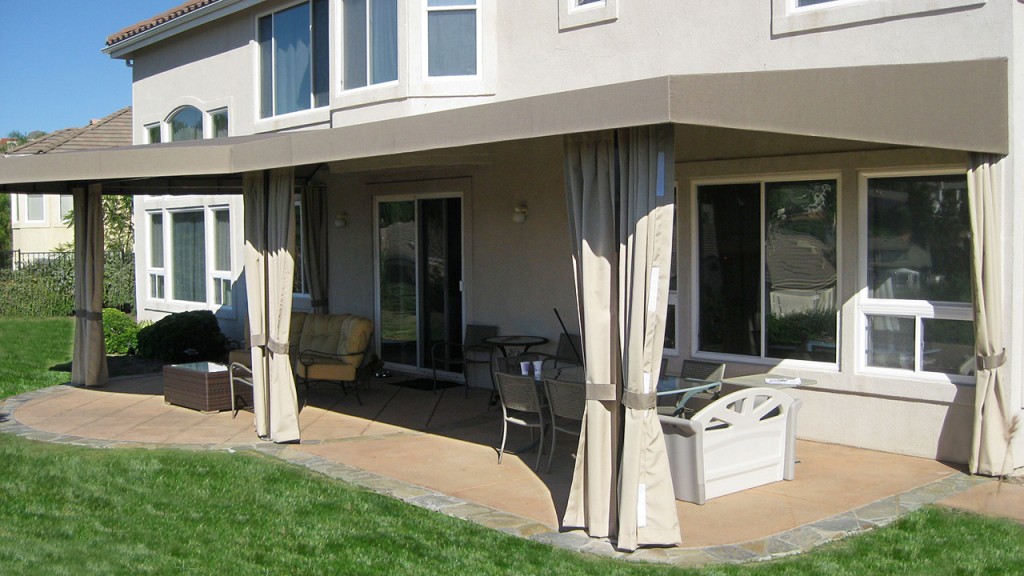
439 451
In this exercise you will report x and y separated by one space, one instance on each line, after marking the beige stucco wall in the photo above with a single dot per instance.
39 236
526 54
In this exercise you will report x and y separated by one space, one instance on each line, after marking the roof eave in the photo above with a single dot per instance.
124 48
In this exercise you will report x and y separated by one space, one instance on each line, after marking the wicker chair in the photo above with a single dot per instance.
520 405
566 401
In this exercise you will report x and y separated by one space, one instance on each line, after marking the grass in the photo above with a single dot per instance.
30 349
74 510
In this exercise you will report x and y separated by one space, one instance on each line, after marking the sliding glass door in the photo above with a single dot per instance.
419 273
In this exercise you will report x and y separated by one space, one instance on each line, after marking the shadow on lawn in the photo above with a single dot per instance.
121 366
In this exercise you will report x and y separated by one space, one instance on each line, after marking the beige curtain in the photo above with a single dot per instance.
89 361
620 222
314 253
647 511
591 186
994 417
269 271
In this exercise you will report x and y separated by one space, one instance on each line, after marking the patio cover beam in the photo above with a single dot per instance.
948 105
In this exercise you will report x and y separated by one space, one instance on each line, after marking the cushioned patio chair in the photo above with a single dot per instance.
520 405
332 347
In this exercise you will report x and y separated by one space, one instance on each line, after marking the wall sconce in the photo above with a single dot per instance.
341 220
519 214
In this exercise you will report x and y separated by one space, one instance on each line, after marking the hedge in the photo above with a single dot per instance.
46 288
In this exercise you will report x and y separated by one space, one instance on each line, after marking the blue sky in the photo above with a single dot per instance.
52 73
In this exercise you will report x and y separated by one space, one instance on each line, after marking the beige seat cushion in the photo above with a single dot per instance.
337 334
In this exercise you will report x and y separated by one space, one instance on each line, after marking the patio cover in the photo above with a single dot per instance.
903 105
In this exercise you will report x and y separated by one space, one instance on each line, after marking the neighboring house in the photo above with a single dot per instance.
38 220
832 131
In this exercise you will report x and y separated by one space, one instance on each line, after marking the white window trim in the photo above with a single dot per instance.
310 116
787 18
444 85
371 93
160 128
209 250
763 179
208 127
42 219
572 15
154 272
216 277
918 309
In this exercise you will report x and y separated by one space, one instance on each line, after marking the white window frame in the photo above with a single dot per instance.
149 135
478 10
156 276
762 180
220 281
919 310
314 113
208 126
673 295
572 14
28 213
788 18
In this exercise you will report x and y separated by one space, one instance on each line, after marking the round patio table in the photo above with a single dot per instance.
504 343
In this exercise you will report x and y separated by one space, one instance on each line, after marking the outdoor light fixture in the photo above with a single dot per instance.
340 220
519 214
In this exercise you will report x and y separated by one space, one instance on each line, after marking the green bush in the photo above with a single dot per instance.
183 337
120 332
46 288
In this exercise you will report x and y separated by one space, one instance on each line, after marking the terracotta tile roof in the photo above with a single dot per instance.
112 131
157 20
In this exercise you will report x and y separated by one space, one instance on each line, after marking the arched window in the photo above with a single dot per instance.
186 124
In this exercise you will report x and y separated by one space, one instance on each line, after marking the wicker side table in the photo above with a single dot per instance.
201 386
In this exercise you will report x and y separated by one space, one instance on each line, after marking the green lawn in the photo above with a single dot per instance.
73 510
30 349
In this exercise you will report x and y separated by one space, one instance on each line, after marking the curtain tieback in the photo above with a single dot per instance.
991 362
91 316
277 347
603 392
640 400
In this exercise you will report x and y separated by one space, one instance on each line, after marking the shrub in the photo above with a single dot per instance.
120 332
46 287
183 337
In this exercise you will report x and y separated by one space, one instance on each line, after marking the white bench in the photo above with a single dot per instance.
739 441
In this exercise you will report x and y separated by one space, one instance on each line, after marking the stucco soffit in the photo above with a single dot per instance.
950 105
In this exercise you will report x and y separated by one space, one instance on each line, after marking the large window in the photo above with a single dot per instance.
371 42
767 269
918 313
188 256
452 37
186 124
294 60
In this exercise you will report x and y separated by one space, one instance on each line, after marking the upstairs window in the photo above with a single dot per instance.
219 119
153 132
294 58
186 124
371 42
452 42
67 205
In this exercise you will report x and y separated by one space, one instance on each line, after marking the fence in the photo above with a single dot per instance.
16 259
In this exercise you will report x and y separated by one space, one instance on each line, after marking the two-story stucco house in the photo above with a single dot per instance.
846 178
